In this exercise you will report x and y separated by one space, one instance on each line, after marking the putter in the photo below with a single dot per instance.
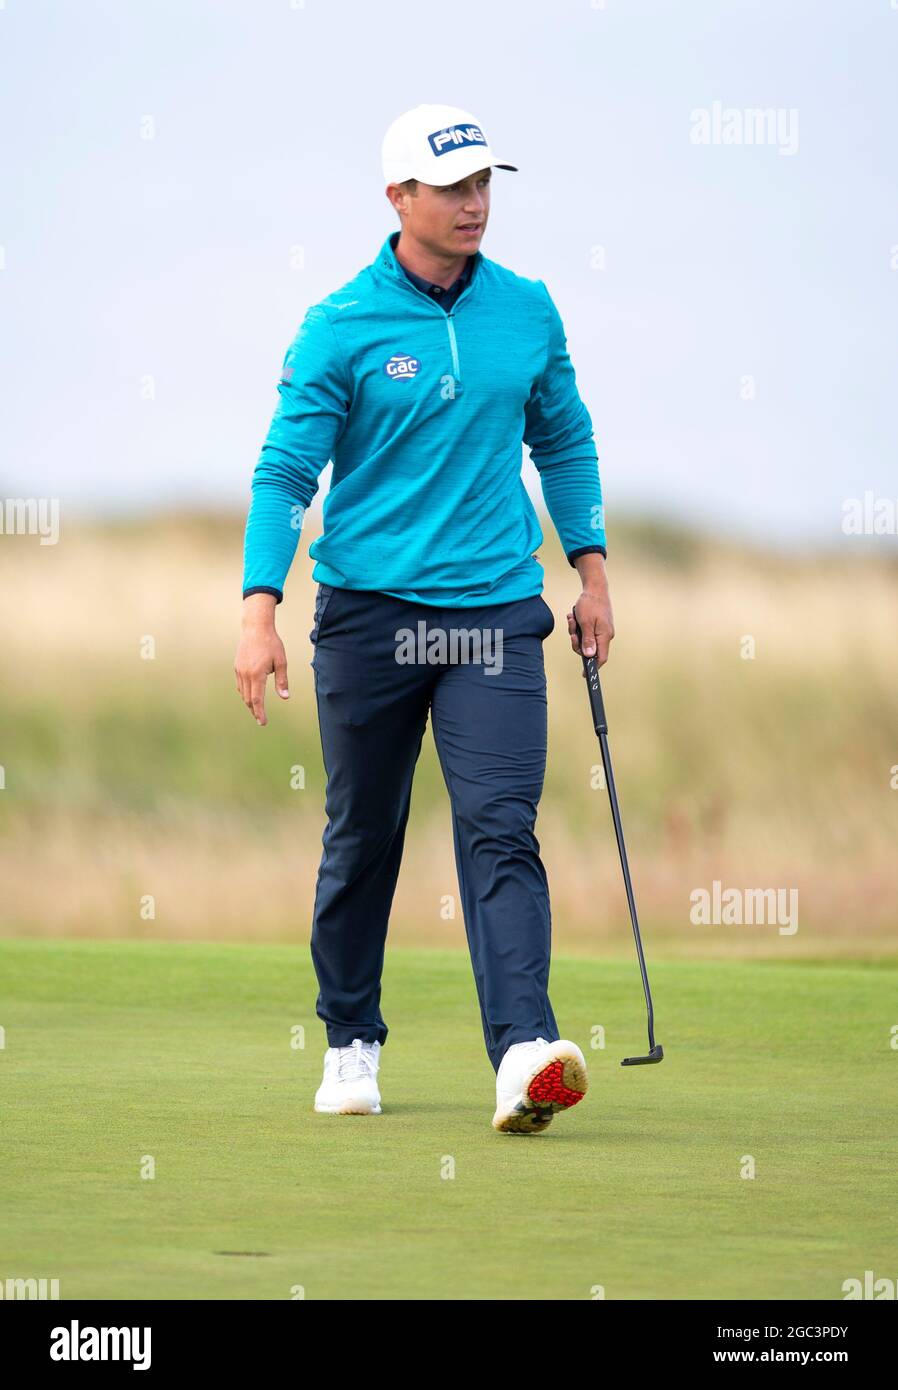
600 723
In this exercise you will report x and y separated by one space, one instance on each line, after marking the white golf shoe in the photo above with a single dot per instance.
533 1081
350 1080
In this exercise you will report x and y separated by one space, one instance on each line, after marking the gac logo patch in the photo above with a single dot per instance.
455 137
402 367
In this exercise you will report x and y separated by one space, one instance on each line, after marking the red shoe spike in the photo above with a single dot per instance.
548 1088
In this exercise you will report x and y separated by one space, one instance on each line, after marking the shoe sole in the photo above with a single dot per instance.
554 1086
348 1107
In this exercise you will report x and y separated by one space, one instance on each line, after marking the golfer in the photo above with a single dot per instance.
420 379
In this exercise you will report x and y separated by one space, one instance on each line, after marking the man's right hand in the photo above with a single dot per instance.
260 652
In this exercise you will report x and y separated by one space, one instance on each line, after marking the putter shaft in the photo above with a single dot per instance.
600 724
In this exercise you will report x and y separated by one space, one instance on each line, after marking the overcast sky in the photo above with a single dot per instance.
150 286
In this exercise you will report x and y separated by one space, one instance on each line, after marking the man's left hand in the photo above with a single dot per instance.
592 610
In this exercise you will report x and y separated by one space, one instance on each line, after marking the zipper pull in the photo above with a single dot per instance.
457 387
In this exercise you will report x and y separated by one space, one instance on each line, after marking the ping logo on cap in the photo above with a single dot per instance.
402 367
453 137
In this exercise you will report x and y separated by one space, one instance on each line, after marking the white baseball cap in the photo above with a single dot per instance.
438 145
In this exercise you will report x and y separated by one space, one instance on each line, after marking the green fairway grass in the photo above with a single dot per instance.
115 1051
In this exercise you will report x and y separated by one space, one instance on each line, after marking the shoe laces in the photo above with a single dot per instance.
356 1062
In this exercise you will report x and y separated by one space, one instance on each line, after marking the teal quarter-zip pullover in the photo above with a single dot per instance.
423 413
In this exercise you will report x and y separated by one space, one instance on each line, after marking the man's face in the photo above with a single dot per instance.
449 221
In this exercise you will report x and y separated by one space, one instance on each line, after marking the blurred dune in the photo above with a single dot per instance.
128 778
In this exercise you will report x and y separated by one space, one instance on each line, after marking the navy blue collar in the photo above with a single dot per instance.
436 292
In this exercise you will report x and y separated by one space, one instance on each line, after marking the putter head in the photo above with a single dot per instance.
656 1055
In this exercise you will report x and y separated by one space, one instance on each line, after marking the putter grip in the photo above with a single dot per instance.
593 685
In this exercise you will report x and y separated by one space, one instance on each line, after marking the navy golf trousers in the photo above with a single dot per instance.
381 664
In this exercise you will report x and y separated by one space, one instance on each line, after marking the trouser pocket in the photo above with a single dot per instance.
549 616
322 600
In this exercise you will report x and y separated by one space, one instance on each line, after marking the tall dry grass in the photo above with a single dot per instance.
128 779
